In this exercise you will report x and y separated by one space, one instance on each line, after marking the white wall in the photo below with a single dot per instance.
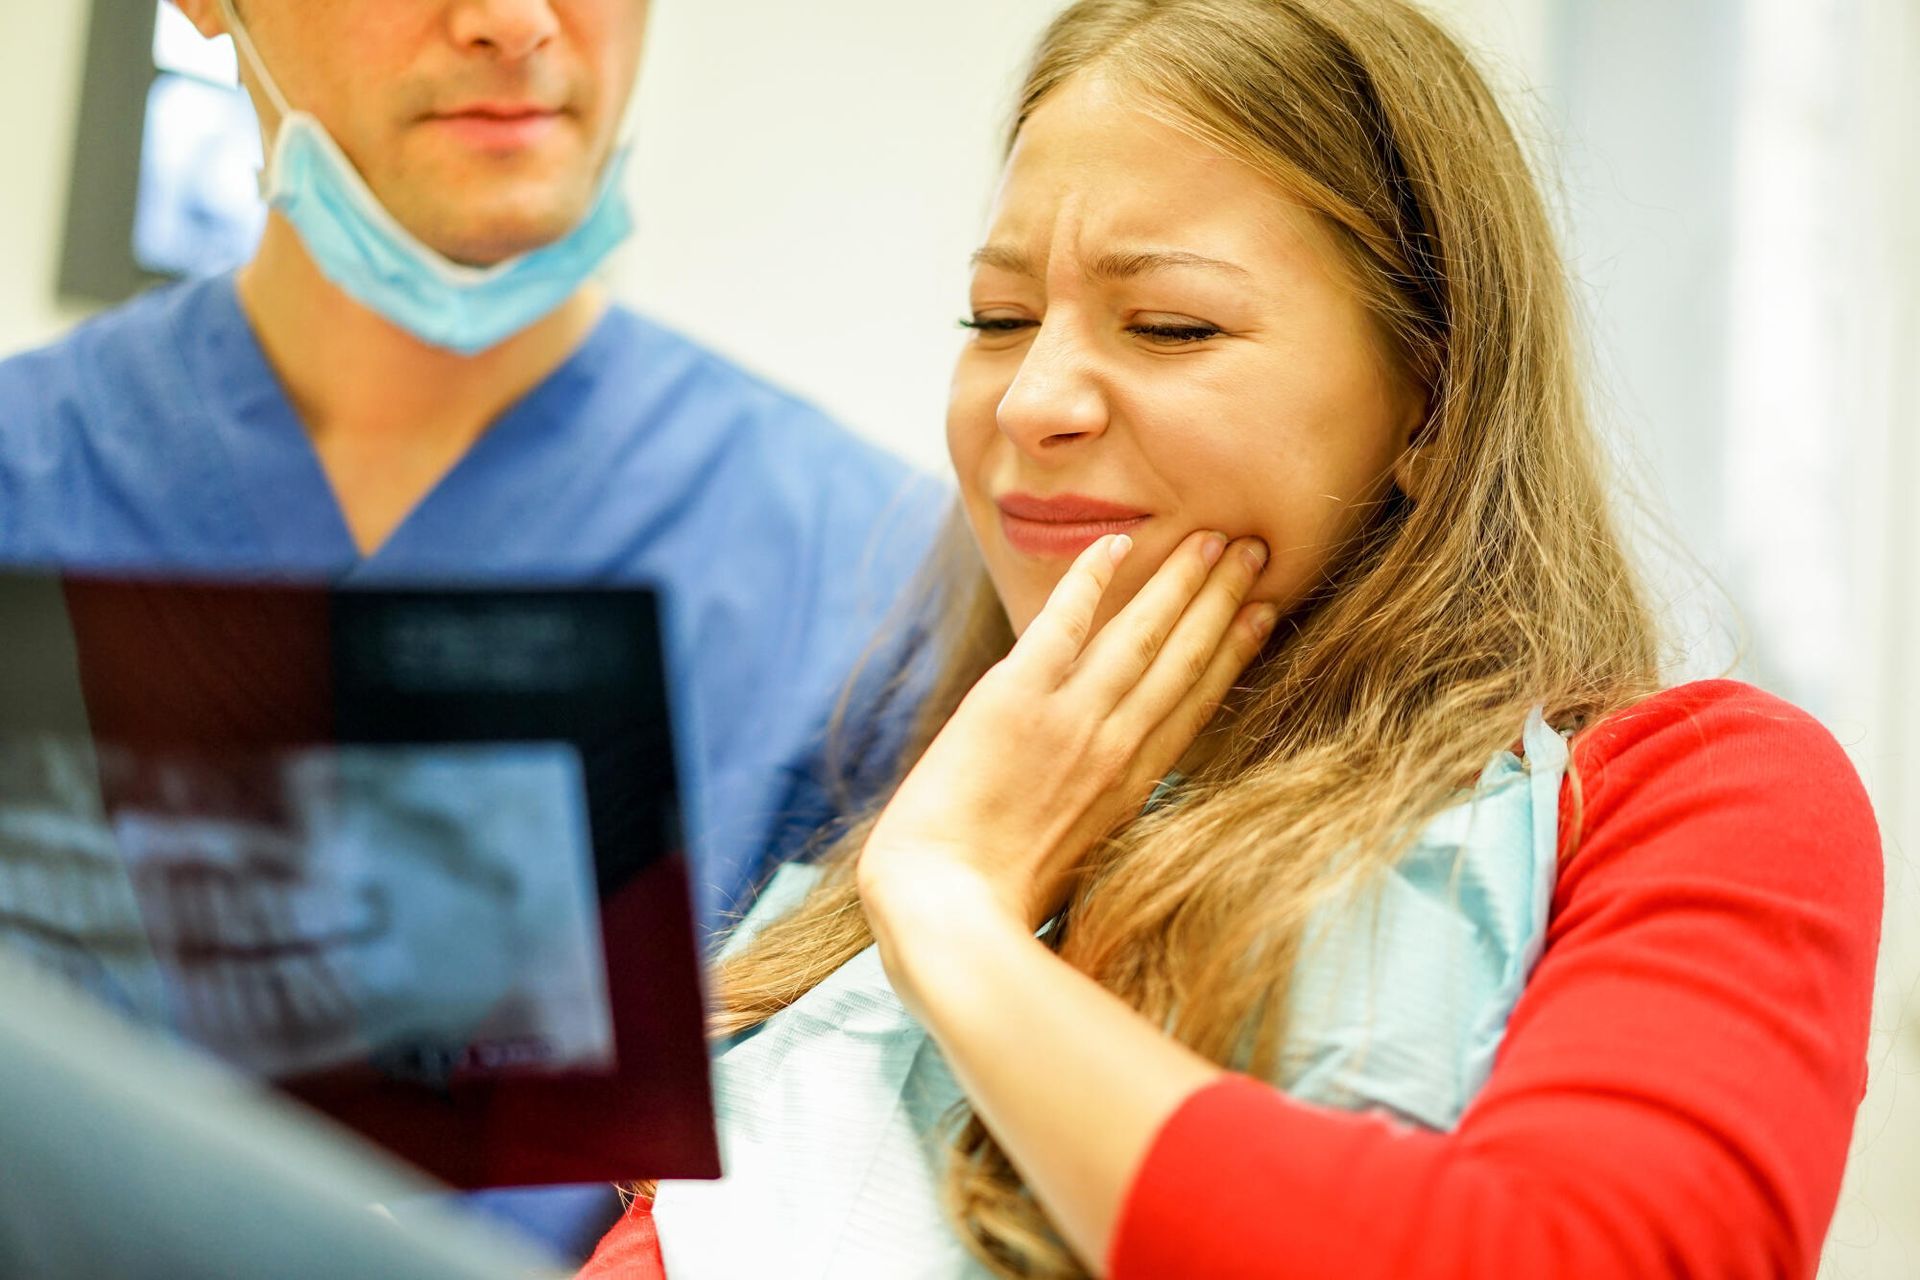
41 48
811 180
1876 1231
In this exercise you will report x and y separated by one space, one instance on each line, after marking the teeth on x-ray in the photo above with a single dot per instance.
252 972
298 912
62 883
201 911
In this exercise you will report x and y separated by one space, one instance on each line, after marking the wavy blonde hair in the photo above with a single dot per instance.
1448 616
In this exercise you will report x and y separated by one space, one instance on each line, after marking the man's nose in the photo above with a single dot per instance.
1056 398
508 29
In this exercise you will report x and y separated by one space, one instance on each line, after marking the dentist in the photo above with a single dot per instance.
416 377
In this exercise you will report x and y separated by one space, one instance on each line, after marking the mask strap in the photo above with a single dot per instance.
244 43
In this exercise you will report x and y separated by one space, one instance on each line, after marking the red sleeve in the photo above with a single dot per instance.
630 1251
1677 1088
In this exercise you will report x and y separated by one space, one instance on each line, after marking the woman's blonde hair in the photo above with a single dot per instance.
1500 584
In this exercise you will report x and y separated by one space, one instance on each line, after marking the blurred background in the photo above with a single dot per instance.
1736 181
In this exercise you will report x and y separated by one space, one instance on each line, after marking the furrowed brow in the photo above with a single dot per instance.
1126 264
1118 265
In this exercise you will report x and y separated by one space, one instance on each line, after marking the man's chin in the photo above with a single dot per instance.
484 219
477 240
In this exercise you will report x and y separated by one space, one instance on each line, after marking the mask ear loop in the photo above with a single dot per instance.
251 54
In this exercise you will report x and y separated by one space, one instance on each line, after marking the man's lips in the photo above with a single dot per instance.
498 126
1064 525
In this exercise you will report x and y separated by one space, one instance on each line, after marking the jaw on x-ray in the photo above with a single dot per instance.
426 909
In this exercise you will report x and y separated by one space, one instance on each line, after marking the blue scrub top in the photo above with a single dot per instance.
157 437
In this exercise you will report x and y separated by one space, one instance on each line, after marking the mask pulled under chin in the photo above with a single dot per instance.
362 248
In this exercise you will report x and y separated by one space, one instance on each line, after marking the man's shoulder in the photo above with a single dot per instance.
744 409
130 349
83 407
837 518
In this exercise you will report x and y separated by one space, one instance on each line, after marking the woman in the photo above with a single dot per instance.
1284 579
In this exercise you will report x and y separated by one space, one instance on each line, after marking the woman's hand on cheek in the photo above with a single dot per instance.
1063 740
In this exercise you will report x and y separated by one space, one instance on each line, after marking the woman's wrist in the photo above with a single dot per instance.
934 925
1074 1083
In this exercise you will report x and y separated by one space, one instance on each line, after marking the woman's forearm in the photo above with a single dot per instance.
1072 1082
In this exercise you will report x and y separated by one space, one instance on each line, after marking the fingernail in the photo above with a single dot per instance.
1118 548
1265 619
1256 554
1212 548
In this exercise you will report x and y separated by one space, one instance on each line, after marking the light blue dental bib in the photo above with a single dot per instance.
835 1113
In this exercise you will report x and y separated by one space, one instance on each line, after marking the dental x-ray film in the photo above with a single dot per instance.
413 857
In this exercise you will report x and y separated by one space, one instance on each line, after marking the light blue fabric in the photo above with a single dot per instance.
834 1114
1403 997
362 248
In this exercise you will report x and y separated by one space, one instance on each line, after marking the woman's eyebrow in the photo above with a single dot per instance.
1122 264
1127 263
1004 258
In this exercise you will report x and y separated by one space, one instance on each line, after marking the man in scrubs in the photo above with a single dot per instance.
416 378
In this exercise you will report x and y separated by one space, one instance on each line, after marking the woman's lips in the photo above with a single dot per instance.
1061 527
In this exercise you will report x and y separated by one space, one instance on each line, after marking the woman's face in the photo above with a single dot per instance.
1166 345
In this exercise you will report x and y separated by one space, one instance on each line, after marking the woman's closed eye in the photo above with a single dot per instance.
1166 334
1175 335
997 324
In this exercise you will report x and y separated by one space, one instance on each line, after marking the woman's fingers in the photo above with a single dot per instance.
1054 639
1174 733
1127 646
1145 660
1186 657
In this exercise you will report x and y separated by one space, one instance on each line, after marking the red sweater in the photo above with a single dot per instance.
1677 1087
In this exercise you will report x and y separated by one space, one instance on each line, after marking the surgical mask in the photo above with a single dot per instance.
362 248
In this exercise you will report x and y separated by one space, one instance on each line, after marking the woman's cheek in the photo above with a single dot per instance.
971 407
1303 546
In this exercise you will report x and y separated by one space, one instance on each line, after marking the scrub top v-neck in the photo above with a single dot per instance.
284 503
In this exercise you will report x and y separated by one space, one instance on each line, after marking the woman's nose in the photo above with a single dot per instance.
509 29
1055 397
